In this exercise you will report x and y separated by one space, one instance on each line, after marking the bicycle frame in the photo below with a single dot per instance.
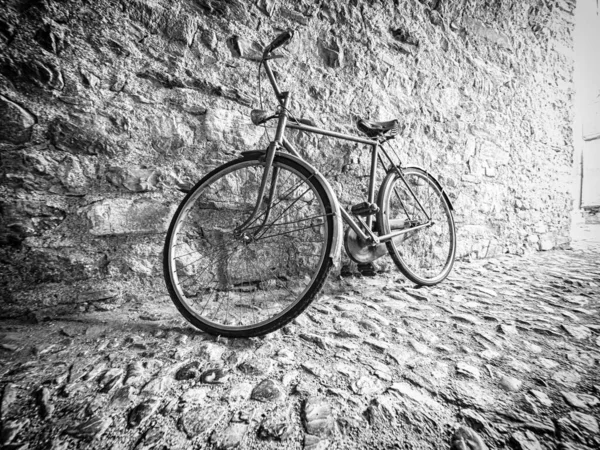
361 228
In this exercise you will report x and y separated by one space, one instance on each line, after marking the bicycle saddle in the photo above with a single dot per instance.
376 129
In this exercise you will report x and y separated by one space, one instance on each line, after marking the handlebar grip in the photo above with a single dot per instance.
280 40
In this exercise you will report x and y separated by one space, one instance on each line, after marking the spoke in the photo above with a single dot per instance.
206 302
177 245
265 286
293 294
422 252
177 269
187 254
252 302
212 292
216 291
286 209
263 237
218 296
197 276
196 260
228 293
397 181
220 303
281 199
290 223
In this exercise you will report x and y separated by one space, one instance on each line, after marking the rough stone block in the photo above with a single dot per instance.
494 154
16 121
447 100
78 138
168 132
128 216
56 172
30 218
470 179
134 179
74 173
97 295
332 54
403 35
499 38
231 127
239 47
7 31
293 15
546 241
470 147
183 28
541 227
149 13
52 38
266 6
56 265
490 171
45 74
563 242
493 249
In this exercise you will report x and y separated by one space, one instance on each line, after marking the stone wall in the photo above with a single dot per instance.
108 108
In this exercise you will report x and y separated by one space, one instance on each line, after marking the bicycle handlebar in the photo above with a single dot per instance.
280 40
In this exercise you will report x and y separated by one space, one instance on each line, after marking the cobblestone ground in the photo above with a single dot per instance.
504 354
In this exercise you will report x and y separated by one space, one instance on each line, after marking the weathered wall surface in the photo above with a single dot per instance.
108 107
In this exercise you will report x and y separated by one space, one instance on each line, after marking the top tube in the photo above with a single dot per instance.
334 134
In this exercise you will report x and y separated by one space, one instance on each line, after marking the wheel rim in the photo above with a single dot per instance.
238 282
427 253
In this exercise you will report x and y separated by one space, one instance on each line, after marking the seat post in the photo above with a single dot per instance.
372 177
272 79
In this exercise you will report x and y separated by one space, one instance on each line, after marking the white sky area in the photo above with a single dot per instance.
587 48
587 102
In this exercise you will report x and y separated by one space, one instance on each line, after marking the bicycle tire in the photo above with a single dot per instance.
205 219
432 262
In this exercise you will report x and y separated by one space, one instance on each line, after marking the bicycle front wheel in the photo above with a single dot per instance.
424 255
249 283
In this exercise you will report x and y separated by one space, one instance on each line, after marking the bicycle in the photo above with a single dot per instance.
253 242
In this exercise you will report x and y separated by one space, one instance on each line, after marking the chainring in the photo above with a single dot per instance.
360 251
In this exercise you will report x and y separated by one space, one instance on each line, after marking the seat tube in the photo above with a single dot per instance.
372 177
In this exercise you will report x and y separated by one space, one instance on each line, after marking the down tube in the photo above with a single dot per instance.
338 229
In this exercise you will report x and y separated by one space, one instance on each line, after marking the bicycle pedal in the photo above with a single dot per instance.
364 209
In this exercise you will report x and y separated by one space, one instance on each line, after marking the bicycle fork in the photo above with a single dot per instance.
269 158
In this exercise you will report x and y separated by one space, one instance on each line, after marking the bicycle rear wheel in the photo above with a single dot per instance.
250 284
426 255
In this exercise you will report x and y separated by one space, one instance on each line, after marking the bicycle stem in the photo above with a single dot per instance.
273 81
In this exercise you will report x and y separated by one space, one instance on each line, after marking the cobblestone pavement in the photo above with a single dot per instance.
504 354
